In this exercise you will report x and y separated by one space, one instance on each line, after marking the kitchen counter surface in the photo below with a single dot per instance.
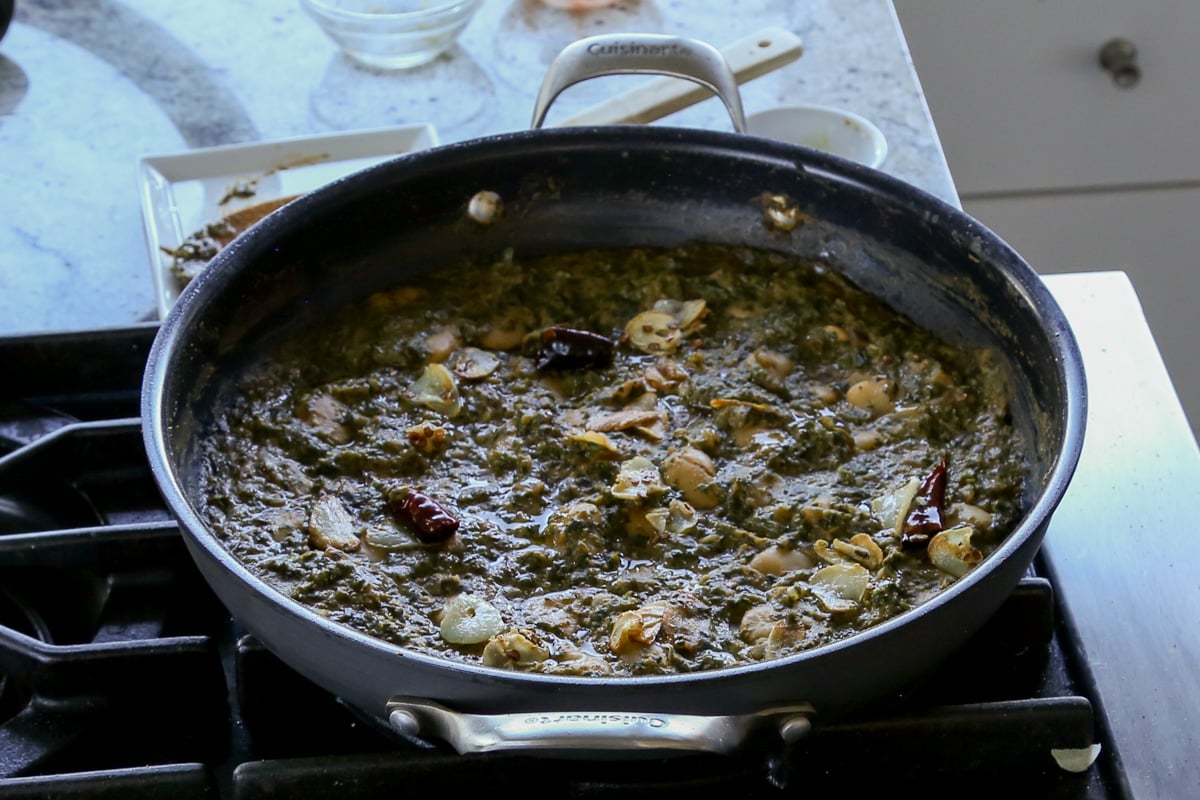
1121 546
88 87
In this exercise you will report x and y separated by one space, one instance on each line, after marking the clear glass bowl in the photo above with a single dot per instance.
392 34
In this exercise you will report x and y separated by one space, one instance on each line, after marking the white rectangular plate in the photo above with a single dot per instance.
183 192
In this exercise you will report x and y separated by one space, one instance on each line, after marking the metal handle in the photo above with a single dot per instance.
592 730
641 54
1119 57
749 57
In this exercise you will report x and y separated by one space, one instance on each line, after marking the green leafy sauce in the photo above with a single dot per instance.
724 476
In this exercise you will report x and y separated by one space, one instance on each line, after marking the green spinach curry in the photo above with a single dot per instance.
620 462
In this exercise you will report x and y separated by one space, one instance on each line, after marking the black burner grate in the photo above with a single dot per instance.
122 676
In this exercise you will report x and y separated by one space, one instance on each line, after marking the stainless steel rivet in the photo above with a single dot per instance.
794 728
404 722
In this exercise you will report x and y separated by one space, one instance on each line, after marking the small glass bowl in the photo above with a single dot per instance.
392 34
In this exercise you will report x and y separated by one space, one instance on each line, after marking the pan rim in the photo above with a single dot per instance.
1027 533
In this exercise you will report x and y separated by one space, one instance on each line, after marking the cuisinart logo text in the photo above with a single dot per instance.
638 49
598 719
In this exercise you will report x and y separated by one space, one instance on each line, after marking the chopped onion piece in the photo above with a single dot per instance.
891 509
1076 759
468 619
437 390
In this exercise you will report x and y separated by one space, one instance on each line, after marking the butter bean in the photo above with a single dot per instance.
776 561
691 471
873 394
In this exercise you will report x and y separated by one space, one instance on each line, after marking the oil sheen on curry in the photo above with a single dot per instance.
615 463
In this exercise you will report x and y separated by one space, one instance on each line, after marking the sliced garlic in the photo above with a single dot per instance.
840 587
664 376
861 549
687 313
633 630
598 443
683 517
388 538
472 363
581 662
868 440
968 514
436 389
731 402
637 479
623 419
951 550
513 649
678 517
330 525
662 328
892 509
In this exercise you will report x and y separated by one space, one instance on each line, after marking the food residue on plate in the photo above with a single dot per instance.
193 253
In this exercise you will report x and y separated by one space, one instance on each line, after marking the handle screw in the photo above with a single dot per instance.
794 728
404 722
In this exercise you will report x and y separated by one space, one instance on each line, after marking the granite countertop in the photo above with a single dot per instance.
89 87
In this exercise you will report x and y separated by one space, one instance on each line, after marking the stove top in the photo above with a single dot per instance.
121 675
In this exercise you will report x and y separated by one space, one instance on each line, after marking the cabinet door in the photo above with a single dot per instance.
1021 101
1148 234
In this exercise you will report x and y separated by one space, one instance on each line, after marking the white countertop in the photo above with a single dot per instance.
1122 544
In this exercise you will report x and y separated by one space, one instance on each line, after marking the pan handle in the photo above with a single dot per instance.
750 57
593 730
641 54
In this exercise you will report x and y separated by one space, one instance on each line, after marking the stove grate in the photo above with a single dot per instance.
122 676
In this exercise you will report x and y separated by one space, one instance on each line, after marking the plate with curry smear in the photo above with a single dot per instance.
194 203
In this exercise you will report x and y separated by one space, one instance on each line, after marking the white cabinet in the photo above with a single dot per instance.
1021 102
1077 172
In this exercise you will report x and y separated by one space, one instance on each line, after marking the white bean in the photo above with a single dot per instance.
691 471
873 394
777 561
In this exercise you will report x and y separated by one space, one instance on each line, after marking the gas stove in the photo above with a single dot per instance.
121 675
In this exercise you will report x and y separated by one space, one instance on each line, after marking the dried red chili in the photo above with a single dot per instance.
429 521
927 515
563 348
